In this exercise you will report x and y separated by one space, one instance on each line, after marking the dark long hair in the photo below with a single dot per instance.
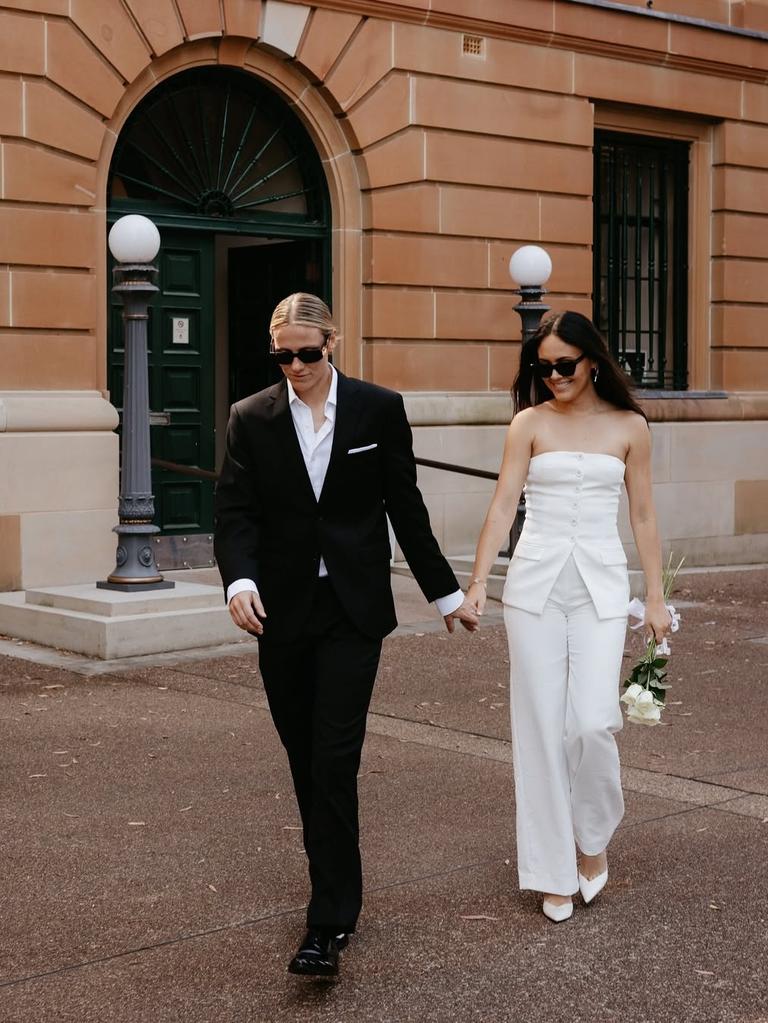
612 382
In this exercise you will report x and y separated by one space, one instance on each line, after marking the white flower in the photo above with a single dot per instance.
632 694
646 709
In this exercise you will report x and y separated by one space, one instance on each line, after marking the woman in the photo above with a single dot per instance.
576 434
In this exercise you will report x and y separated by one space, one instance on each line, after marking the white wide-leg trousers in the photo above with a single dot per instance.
564 673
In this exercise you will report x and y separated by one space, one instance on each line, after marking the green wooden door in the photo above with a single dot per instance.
181 341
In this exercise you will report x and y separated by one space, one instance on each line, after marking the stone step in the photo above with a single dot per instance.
87 599
108 624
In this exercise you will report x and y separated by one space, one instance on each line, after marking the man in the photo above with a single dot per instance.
313 466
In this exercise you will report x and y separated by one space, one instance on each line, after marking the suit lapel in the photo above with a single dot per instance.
290 449
348 409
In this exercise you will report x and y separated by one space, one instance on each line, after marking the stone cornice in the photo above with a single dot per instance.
55 412
477 408
392 10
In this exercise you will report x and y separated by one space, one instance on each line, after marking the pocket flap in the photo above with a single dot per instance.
528 551
613 556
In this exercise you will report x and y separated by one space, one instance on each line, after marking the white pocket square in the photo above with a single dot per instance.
356 451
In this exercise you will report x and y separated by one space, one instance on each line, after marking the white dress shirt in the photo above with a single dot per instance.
316 452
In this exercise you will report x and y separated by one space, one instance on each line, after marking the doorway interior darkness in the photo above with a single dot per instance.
228 173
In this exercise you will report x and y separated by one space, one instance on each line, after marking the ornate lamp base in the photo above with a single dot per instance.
135 567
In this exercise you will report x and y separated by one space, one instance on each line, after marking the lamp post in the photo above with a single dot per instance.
530 267
134 241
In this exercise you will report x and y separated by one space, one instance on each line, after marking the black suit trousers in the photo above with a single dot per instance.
319 687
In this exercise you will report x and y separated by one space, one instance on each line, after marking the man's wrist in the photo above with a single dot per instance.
451 602
241 586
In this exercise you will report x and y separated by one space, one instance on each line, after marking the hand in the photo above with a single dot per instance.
658 620
466 614
477 594
246 609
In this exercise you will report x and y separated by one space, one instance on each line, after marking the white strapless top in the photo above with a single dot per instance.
572 504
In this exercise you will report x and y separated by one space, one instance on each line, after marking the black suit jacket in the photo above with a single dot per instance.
270 528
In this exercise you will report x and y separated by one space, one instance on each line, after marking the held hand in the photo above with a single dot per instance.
246 609
657 620
466 614
477 594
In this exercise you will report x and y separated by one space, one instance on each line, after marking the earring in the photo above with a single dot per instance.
595 374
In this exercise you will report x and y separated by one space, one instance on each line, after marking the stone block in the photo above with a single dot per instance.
56 300
57 120
159 22
58 472
751 505
64 547
283 24
201 18
327 35
73 64
362 65
40 175
109 27
694 510
716 452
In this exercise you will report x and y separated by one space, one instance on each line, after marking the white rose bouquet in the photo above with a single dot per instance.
646 687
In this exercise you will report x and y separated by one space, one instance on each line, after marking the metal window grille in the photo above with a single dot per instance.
640 298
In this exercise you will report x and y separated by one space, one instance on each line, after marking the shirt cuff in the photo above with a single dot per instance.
447 605
240 586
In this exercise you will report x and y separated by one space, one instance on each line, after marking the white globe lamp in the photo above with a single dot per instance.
530 266
134 239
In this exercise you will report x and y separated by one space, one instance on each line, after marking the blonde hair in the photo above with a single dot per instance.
305 310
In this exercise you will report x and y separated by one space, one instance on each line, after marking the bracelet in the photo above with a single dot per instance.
481 581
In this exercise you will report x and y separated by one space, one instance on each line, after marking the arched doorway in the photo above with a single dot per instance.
224 167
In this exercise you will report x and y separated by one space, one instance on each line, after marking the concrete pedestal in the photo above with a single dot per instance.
109 624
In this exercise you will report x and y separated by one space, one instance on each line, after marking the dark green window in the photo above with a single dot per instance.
640 300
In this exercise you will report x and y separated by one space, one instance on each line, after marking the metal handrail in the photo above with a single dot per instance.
464 470
185 470
207 474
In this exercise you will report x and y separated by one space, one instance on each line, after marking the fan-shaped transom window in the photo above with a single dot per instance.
218 143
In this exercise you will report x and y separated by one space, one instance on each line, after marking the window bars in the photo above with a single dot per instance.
640 300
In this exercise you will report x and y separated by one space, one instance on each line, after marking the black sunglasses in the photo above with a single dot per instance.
284 356
564 367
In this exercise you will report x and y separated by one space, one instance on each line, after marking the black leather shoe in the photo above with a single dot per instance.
318 954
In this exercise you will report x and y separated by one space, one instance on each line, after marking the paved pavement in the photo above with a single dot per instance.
153 870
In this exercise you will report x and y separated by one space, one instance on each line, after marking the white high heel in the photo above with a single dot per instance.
590 887
557 913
